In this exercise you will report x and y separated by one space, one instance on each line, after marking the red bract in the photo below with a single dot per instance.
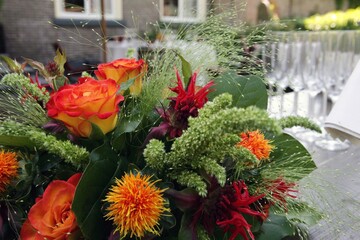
280 190
225 207
189 100
234 202
186 104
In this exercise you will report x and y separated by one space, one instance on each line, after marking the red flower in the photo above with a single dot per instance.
225 207
280 190
234 202
186 104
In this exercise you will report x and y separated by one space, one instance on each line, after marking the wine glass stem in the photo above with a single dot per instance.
296 103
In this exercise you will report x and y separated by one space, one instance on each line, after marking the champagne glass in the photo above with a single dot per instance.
327 76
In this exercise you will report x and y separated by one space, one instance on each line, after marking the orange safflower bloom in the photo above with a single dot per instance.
8 168
256 143
136 205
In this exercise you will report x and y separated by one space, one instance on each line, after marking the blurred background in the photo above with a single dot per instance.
35 28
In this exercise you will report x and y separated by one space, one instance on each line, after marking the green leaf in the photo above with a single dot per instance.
125 125
13 65
96 132
168 221
103 167
126 85
60 60
59 81
185 232
16 141
246 90
288 153
303 213
185 68
275 228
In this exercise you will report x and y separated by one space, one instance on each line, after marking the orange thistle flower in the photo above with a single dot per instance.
8 168
256 143
136 205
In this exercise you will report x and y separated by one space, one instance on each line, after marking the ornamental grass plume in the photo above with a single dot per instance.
136 205
255 141
8 168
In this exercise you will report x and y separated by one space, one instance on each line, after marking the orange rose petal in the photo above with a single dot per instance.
113 73
84 129
106 125
136 87
27 232
77 104
74 179
57 191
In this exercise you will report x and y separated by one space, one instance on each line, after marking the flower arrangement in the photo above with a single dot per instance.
131 151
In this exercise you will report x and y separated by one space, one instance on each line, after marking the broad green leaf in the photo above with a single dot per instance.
103 167
275 228
288 153
60 60
246 90
16 141
125 125
302 212
185 68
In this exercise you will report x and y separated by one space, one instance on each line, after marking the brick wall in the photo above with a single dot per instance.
28 32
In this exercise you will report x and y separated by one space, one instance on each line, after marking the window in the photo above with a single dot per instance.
183 10
87 9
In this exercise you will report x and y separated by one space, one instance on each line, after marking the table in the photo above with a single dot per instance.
334 188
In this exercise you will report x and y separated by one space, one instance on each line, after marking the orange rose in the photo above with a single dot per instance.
122 70
91 101
51 216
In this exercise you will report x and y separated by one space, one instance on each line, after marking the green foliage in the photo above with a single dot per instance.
292 121
245 90
186 69
19 81
288 153
275 228
13 65
99 174
38 138
204 145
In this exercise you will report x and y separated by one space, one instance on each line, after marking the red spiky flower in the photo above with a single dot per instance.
234 202
224 207
280 190
186 104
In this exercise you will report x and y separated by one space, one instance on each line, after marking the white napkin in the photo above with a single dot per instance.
344 118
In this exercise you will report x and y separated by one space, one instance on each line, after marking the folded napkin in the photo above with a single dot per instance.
344 118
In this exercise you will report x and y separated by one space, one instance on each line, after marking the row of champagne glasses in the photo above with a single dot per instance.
319 62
